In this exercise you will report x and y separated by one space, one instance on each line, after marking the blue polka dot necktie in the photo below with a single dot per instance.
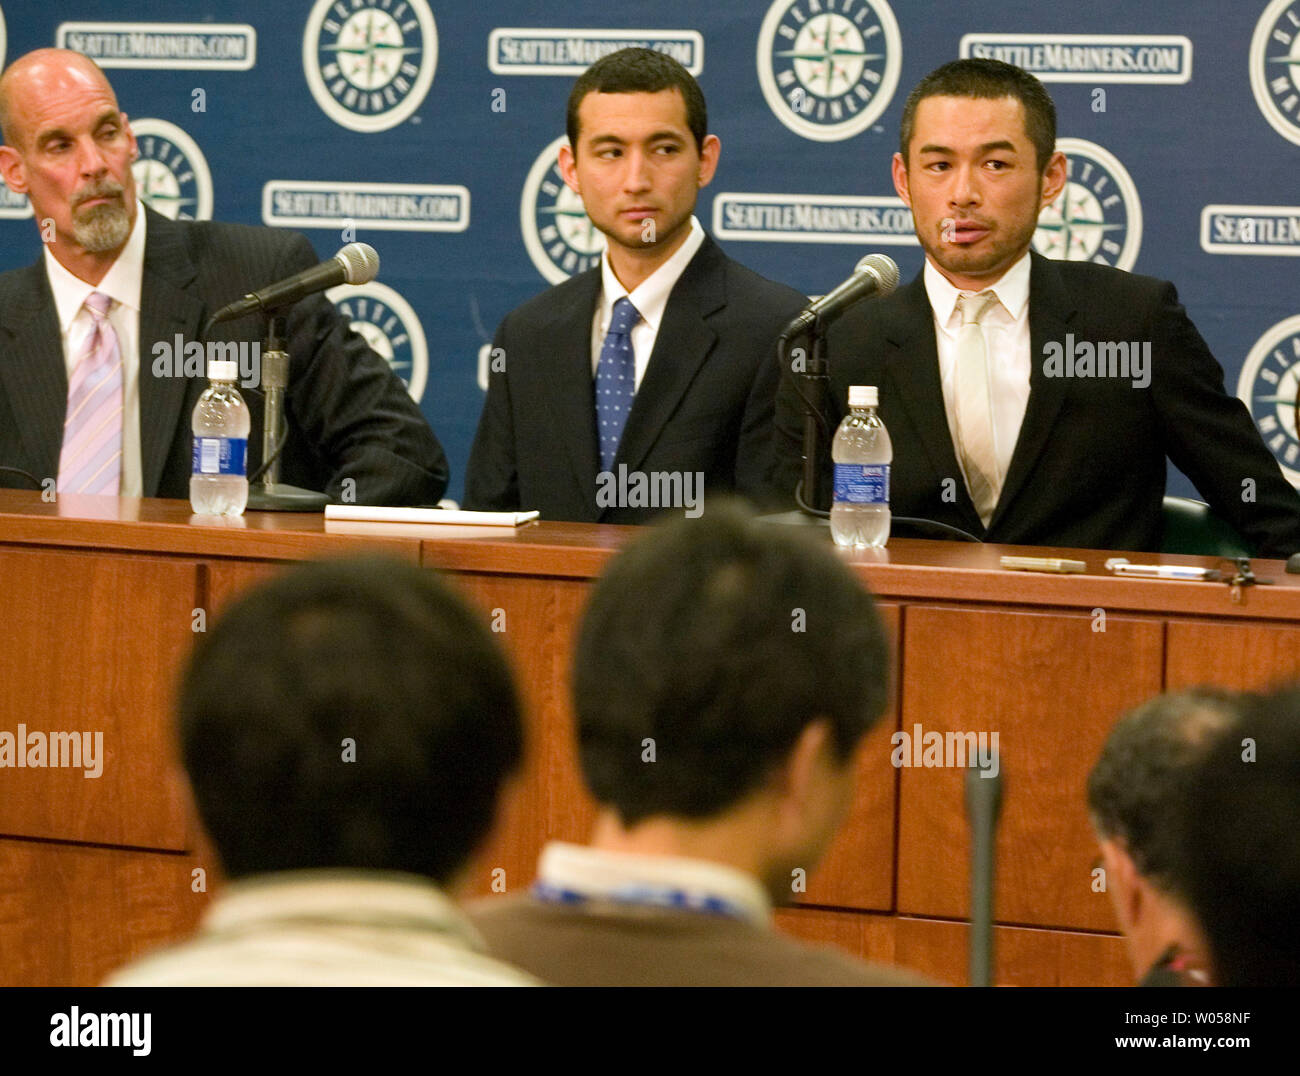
615 380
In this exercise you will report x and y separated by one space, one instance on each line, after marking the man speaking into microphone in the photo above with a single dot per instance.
80 328
1031 401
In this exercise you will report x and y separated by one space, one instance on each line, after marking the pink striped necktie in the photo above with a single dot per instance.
91 461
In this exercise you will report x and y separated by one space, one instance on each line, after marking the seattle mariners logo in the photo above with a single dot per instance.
1097 217
1269 386
389 326
171 173
369 63
558 234
1275 67
828 75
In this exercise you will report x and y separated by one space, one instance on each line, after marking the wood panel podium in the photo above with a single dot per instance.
100 601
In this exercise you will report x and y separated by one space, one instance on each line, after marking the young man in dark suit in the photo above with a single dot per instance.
659 363
355 433
995 429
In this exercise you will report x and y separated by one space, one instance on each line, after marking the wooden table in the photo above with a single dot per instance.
100 601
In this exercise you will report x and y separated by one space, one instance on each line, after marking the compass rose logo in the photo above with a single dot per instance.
1097 217
171 174
828 75
1275 67
389 325
1269 386
369 66
559 236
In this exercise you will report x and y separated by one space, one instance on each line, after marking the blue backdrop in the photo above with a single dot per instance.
429 129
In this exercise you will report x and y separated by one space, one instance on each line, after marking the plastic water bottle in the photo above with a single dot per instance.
219 481
862 454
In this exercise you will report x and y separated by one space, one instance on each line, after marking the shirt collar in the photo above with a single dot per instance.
1012 290
650 297
594 874
373 899
121 283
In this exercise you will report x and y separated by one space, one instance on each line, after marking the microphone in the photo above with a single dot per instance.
356 263
876 274
983 805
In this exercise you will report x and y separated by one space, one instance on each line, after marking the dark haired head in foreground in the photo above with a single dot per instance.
1241 846
729 643
725 672
346 729
1137 793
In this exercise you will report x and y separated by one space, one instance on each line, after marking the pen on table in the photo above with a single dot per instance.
1121 566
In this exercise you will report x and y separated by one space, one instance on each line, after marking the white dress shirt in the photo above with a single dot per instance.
1006 340
650 298
574 872
122 284
327 928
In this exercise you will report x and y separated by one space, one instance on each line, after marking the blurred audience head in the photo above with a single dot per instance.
1241 842
349 714
1137 792
726 670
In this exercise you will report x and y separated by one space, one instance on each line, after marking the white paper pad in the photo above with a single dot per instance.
373 514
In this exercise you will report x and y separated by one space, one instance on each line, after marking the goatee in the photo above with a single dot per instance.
102 228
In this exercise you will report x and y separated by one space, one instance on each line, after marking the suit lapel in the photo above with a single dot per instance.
32 370
682 344
567 384
1050 310
912 364
167 308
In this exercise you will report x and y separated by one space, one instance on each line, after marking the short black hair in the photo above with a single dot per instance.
639 71
988 79
369 650
1242 846
1140 783
720 639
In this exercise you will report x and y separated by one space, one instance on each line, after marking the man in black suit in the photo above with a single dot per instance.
643 383
354 431
999 426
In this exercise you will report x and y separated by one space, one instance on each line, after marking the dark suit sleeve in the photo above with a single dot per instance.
787 442
1211 438
755 464
492 478
351 407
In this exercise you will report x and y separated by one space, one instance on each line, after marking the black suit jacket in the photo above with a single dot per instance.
348 414
705 403
1088 469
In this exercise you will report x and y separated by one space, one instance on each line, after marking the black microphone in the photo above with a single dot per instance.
876 274
354 264
983 805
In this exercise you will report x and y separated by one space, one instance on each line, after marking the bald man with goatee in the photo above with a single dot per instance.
91 391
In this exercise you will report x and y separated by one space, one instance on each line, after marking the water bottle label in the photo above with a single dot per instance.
220 455
862 483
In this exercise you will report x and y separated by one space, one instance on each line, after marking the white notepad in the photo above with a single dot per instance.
442 516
